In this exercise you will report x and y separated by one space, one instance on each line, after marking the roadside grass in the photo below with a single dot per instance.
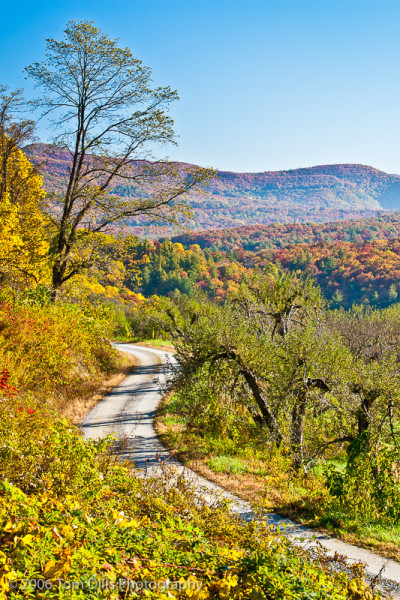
159 343
227 464
256 472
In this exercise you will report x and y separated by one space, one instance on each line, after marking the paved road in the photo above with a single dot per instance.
129 412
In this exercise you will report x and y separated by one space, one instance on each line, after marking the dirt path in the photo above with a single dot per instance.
129 412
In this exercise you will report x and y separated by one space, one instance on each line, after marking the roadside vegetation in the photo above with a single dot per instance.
70 513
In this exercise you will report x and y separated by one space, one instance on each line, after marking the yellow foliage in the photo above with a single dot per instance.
23 240
179 248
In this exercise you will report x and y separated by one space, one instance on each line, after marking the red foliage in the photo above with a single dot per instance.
5 388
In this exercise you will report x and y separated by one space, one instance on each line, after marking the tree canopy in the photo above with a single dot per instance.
23 238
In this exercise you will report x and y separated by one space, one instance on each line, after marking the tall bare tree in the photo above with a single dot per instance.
101 101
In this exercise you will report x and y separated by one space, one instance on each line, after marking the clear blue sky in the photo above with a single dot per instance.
264 84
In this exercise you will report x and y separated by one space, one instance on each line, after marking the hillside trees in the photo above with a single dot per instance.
23 238
102 100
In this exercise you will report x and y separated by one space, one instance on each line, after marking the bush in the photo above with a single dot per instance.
54 352
368 484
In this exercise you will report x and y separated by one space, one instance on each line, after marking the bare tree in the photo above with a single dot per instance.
100 99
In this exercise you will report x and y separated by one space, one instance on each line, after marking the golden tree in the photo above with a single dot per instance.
23 243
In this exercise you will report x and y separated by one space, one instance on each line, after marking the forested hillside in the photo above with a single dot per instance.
317 194
279 235
347 273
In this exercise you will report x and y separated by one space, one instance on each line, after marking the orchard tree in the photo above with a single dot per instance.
101 100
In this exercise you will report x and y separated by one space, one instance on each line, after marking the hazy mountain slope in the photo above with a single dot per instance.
258 237
317 194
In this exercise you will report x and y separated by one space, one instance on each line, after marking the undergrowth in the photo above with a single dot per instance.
55 352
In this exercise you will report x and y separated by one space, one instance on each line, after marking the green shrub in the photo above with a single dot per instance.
368 484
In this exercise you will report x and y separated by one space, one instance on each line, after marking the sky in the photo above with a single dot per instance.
264 84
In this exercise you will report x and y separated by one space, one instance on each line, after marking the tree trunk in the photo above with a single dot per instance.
57 280
268 416
297 432
363 416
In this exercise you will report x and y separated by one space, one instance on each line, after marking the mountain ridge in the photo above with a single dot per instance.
319 194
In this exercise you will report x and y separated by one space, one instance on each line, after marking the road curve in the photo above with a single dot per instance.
129 412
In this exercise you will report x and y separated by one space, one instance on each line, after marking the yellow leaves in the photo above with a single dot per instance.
359 590
23 238
226 585
193 588
179 248
6 575
121 521
71 503
5 578
54 569
231 553
27 540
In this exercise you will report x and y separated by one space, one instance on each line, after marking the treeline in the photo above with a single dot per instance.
279 235
347 273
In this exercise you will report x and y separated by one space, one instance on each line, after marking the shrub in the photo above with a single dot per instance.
54 351
369 481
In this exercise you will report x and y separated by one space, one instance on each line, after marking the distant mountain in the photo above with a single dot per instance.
317 194
260 237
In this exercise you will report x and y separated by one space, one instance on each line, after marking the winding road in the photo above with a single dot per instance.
129 412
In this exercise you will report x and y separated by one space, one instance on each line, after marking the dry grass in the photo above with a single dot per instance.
245 486
78 407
